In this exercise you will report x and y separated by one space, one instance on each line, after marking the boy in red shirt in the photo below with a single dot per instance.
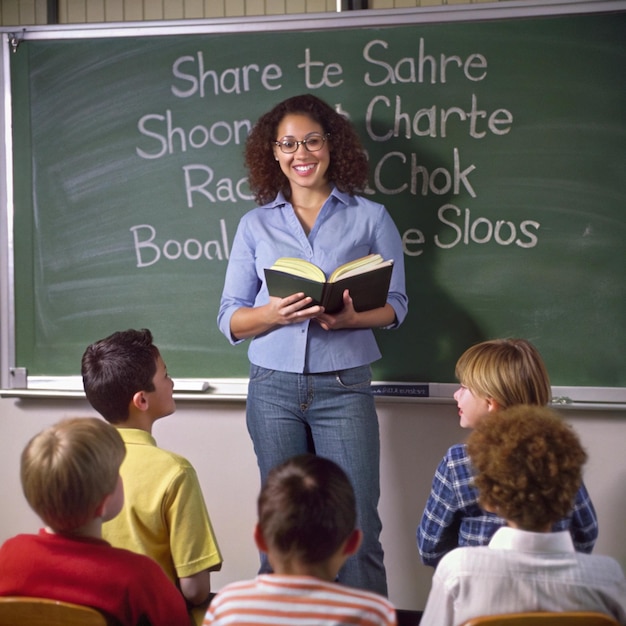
70 477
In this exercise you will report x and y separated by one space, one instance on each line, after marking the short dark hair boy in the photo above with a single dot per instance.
114 369
126 381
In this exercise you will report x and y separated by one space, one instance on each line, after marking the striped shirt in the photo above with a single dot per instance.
297 601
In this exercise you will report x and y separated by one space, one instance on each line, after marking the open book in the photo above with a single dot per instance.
366 278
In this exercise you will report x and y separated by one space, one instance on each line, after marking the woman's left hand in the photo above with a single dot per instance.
349 318
342 319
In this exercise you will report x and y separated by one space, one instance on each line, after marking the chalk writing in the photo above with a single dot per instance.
418 70
189 70
149 250
387 118
433 121
169 138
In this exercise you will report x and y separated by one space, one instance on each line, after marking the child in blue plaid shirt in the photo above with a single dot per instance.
494 375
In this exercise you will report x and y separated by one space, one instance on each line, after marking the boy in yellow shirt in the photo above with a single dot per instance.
164 515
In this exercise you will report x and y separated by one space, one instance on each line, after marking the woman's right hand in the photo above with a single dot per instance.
294 309
251 321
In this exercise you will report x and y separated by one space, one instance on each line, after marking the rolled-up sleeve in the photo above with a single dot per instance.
241 284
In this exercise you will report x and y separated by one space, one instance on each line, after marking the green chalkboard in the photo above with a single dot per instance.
498 146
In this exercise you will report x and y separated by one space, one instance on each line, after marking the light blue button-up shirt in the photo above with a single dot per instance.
347 227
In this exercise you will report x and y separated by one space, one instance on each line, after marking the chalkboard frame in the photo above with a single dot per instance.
16 382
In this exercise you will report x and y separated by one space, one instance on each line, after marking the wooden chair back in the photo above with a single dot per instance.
22 611
568 618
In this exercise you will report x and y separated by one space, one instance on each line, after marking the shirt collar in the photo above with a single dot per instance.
280 199
506 538
136 435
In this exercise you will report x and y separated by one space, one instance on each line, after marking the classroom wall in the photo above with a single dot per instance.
23 12
414 436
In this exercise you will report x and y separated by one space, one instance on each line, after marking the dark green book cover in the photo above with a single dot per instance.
368 290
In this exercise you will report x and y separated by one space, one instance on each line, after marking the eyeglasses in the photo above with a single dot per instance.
312 142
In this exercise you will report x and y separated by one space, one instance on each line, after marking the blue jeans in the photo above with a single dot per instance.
333 415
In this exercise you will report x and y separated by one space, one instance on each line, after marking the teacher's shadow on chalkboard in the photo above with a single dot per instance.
440 328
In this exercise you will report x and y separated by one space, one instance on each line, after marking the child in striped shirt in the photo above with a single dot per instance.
307 527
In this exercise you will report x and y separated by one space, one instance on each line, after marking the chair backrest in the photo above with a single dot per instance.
568 618
22 611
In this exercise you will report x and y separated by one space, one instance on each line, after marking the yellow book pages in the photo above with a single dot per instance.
355 267
299 267
363 269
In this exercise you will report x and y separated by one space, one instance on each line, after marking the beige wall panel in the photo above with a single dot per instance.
405 4
32 12
296 6
214 8
72 11
95 11
381 4
151 9
255 7
174 10
27 11
235 8
316 6
117 10
275 7
194 9
9 12
24 12
114 10
134 11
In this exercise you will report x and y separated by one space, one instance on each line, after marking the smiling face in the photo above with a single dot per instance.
305 170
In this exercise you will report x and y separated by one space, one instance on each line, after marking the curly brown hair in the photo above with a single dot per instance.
348 168
528 465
